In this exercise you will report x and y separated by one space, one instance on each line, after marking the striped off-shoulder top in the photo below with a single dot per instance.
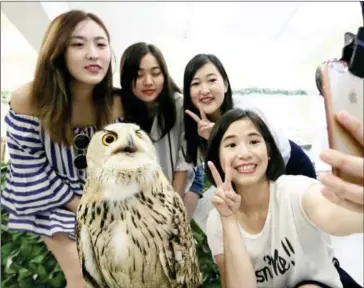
41 178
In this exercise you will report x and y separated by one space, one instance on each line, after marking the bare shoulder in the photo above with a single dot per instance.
117 108
21 101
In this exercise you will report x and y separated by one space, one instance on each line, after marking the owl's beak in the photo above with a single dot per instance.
131 143
131 147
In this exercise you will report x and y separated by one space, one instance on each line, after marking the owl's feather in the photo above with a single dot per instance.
132 227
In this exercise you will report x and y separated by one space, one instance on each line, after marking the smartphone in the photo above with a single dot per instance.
342 90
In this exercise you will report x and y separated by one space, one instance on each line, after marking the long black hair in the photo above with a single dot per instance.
193 140
135 110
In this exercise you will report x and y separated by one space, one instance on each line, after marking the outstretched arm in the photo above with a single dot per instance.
329 217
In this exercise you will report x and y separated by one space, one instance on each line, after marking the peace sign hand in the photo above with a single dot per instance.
204 125
225 200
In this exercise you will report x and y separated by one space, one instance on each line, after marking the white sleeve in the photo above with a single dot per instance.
181 163
290 190
277 133
214 233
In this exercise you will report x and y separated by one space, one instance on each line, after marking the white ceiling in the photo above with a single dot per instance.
263 44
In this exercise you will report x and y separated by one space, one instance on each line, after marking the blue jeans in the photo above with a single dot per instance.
198 181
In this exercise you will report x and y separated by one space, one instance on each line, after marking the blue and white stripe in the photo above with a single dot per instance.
41 178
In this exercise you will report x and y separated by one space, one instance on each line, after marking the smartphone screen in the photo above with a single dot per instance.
342 91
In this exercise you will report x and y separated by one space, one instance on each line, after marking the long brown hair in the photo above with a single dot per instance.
50 90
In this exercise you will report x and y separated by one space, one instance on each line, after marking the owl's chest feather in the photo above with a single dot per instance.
134 229
134 237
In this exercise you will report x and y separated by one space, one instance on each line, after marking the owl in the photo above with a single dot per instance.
132 228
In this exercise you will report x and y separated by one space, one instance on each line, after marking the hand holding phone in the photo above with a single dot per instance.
342 90
338 191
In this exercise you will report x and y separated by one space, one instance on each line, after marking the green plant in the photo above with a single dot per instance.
208 267
26 262
211 276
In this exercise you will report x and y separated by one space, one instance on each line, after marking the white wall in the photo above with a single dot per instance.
268 45
18 57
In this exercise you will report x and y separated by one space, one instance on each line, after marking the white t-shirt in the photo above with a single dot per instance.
290 248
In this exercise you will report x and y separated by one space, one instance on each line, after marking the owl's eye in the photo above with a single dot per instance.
109 138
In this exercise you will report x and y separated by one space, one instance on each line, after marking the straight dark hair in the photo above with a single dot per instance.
135 110
276 166
193 140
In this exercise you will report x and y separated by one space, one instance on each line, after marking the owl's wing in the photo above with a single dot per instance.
89 264
183 261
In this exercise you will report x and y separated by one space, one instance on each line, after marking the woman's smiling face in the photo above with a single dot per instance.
244 147
208 89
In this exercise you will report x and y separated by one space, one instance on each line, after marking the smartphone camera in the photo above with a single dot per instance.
356 64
